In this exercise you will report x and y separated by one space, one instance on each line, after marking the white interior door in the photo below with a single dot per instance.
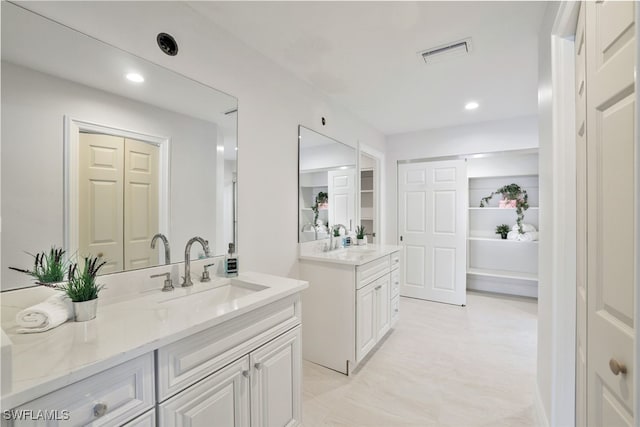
342 197
141 192
432 225
611 212
100 204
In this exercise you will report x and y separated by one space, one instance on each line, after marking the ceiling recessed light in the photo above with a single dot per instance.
471 105
135 77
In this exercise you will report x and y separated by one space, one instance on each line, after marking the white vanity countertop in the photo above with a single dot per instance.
353 255
45 362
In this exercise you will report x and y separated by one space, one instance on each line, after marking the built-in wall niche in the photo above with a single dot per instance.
48 99
326 166
494 264
368 196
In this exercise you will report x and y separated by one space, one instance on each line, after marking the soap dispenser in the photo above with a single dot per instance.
231 261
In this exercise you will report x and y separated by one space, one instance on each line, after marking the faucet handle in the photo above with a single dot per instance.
168 283
205 273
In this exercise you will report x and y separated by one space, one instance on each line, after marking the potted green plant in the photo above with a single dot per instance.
322 199
48 267
82 288
503 230
360 232
511 192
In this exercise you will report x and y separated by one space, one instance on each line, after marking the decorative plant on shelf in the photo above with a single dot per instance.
511 192
321 199
503 230
48 267
82 284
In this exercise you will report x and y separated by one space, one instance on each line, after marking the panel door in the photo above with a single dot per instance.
581 222
383 306
611 213
221 399
141 188
432 222
100 171
342 197
365 320
276 382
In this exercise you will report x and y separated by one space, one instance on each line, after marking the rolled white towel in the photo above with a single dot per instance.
529 236
52 312
513 235
525 228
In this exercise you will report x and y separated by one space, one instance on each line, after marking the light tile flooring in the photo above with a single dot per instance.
442 365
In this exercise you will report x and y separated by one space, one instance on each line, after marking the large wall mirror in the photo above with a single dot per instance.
102 150
326 185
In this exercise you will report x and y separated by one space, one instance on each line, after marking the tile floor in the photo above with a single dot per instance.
442 365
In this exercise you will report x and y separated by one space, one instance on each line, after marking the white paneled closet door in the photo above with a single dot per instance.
611 212
432 225
342 197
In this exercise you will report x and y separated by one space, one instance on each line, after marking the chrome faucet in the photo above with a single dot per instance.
165 242
187 260
331 230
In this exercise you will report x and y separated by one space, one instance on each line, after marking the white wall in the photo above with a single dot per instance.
495 136
33 107
272 103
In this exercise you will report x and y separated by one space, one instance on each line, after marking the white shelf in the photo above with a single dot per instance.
367 218
491 239
502 274
366 191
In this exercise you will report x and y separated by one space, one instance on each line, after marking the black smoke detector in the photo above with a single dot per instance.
167 44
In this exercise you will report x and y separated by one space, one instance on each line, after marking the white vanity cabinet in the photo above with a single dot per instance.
349 306
246 374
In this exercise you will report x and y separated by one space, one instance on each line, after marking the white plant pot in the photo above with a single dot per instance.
85 310
361 242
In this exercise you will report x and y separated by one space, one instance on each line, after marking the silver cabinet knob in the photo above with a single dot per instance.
258 366
617 367
246 374
99 409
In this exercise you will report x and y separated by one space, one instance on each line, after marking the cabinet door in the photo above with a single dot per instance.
383 306
365 320
276 382
221 399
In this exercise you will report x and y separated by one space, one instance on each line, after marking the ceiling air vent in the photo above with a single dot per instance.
446 51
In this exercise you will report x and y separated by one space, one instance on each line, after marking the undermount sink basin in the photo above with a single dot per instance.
231 291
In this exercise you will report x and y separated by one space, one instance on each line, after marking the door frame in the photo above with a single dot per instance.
71 138
378 157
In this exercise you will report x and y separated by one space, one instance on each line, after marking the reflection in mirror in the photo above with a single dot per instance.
99 164
326 185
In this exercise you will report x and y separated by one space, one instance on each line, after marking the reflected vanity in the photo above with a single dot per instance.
99 164
327 185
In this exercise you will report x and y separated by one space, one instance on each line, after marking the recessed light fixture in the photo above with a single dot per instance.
135 77
471 105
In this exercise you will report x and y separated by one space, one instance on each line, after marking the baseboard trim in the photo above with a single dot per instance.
541 415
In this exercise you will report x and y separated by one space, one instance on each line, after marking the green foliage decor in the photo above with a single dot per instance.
321 198
82 284
503 230
48 267
511 192
360 232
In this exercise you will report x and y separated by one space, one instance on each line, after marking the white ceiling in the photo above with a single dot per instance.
363 55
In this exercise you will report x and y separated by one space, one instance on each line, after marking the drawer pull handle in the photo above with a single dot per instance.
396 310
617 367
378 287
246 374
397 283
258 366
99 409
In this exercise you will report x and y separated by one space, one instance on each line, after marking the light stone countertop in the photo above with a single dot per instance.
353 255
45 362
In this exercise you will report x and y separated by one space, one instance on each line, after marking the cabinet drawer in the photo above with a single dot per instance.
395 260
370 271
395 282
146 420
120 393
395 309
189 360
